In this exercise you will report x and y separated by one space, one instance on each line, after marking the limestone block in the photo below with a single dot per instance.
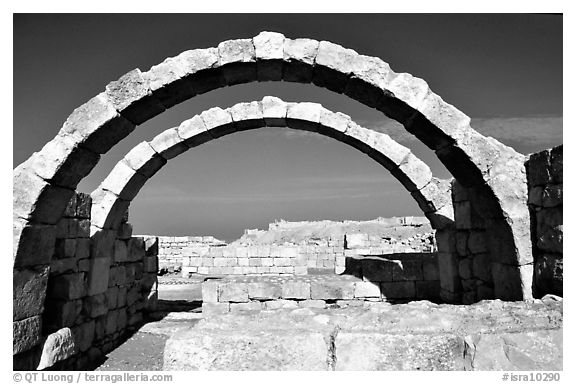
430 268
132 97
98 276
552 195
366 289
211 309
280 304
250 306
61 313
448 267
26 333
305 116
97 125
107 210
144 159
548 274
556 163
299 57
233 292
509 281
274 111
302 270
289 252
117 276
370 76
168 144
387 151
282 262
312 304
84 335
95 306
268 351
122 299
151 264
112 322
295 290
330 121
413 173
218 122
328 290
552 239
465 268
36 200
403 270
70 210
133 295
264 291
376 269
535 195
136 250
369 351
83 205
171 80
62 162
123 181
428 290
333 65
70 286
112 297
237 60
34 245
269 50
193 131
57 347
58 267
120 251
538 168
398 289
210 292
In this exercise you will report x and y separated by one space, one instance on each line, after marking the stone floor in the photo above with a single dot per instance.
490 335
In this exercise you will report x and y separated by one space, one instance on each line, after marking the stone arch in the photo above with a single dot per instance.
491 171
112 198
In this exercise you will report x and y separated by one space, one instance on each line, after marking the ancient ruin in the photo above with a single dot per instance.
82 281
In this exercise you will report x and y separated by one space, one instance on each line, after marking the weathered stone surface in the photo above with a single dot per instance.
269 50
526 351
280 304
385 352
218 122
210 292
398 289
237 61
247 115
29 291
57 347
95 306
332 290
26 333
220 350
366 289
211 309
96 125
35 244
123 181
249 306
304 116
233 292
333 64
143 159
84 335
169 144
264 291
193 131
274 111
299 57
98 276
418 174
552 195
296 290
375 269
132 97
107 210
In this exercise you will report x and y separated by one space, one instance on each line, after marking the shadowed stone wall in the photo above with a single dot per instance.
92 303
544 170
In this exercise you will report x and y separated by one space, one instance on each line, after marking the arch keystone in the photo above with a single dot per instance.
305 116
269 50
299 58
274 111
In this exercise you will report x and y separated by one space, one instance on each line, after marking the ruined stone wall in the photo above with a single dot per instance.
92 303
544 172
209 256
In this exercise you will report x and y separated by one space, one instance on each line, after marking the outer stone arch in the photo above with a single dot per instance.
493 172
113 196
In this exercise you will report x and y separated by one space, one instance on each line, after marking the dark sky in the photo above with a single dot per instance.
505 71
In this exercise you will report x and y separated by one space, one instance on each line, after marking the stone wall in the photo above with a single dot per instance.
544 171
92 303
313 255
